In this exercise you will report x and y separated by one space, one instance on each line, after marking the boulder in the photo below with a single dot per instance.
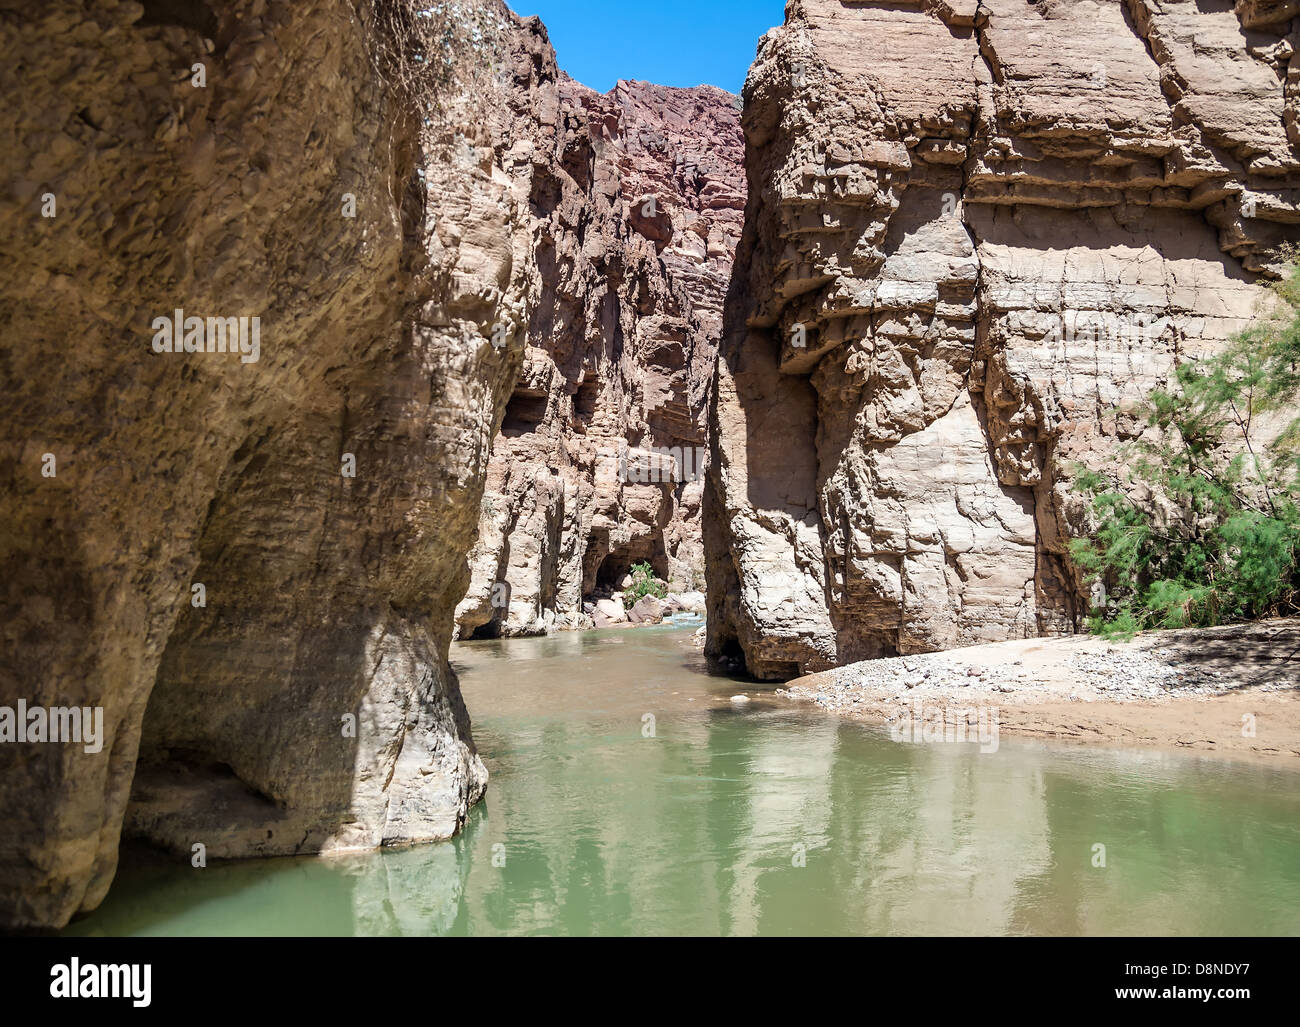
648 610
693 602
609 612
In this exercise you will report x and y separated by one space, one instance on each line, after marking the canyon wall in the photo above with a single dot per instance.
249 565
599 464
979 233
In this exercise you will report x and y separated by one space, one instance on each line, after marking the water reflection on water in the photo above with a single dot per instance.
764 819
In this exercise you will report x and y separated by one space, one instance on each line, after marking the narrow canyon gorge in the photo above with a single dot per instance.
831 352
599 464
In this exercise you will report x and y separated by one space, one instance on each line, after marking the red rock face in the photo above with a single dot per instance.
638 204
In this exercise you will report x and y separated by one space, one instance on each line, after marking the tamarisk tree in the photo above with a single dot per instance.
1203 526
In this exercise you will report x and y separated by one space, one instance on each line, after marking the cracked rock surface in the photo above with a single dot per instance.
978 235
307 704
637 201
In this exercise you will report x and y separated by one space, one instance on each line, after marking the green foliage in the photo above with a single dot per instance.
643 584
1206 530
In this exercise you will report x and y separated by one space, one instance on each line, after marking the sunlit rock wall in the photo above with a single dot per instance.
978 235
638 201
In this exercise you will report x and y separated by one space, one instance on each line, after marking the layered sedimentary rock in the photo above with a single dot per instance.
978 235
600 461
249 565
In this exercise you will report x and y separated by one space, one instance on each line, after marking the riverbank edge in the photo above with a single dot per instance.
1232 692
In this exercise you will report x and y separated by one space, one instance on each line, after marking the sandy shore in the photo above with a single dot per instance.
1233 691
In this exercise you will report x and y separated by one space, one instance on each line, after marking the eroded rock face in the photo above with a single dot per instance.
637 198
978 234
324 496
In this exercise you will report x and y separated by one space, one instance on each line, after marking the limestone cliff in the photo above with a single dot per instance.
600 461
250 565
979 232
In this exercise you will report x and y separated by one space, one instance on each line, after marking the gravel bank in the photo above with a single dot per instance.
1234 690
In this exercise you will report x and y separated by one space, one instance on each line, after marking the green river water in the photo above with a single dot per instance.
768 818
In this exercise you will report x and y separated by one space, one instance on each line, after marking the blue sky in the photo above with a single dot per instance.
669 42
